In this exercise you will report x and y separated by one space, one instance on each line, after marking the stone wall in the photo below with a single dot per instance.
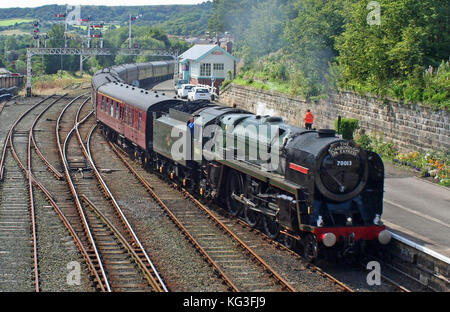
411 128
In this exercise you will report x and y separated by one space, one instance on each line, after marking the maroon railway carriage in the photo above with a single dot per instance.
126 114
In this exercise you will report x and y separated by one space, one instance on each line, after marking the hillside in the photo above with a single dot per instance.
173 19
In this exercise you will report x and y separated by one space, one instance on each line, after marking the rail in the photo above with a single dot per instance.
62 152
136 241
245 247
30 187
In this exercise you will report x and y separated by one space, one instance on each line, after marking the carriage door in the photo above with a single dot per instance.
121 117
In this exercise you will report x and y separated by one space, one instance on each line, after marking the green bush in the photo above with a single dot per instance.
384 149
347 127
364 141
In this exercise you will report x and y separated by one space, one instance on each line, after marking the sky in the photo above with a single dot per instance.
36 3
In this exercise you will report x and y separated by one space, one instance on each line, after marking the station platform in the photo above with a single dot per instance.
166 86
417 210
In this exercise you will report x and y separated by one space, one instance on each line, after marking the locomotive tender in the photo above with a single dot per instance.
299 185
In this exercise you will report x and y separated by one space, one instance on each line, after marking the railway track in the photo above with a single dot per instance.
248 235
115 251
233 259
18 237
346 280
350 273
261 241
114 256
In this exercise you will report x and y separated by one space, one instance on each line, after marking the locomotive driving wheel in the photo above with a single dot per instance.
289 241
310 247
271 227
235 187
251 217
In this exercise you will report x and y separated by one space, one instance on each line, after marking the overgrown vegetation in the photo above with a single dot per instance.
53 83
311 47
427 164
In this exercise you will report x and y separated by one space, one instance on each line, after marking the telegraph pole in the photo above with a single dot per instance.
129 30
85 20
65 29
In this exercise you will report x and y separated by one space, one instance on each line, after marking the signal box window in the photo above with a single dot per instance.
205 69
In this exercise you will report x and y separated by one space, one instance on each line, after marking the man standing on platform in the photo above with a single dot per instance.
309 119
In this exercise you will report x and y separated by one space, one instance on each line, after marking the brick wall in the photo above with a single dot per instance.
410 127
205 81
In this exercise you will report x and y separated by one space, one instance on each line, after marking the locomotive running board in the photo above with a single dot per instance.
271 178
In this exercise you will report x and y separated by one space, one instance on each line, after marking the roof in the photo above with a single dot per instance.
199 51
137 97
4 71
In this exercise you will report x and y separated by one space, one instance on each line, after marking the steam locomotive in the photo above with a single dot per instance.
300 186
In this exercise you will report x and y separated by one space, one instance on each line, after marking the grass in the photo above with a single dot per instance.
10 32
55 83
262 83
14 21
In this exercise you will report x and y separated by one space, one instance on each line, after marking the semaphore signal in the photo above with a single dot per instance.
131 19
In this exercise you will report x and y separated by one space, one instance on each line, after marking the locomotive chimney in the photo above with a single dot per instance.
325 133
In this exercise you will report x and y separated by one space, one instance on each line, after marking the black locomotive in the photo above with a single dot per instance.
299 185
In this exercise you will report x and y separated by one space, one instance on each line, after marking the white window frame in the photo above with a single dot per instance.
219 70
205 70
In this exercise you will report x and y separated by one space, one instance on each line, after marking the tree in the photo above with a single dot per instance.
310 38
412 35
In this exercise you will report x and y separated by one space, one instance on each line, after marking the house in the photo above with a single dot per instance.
207 64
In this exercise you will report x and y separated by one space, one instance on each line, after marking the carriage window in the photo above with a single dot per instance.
117 110
132 115
129 115
112 109
140 120
102 102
